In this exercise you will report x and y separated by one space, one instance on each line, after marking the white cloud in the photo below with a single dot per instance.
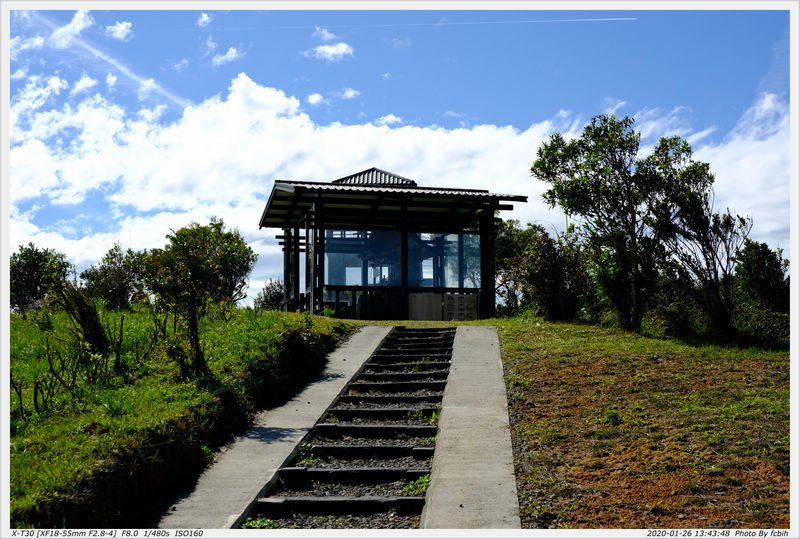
315 99
400 42
695 138
18 45
230 56
349 93
204 20
766 117
19 74
653 123
211 45
331 53
151 115
453 114
64 36
120 30
612 105
111 80
389 119
752 169
180 65
386 76
84 83
123 69
34 95
146 88
322 34
161 174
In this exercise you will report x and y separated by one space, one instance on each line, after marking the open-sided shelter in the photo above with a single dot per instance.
375 245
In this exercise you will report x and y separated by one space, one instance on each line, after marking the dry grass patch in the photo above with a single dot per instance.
612 429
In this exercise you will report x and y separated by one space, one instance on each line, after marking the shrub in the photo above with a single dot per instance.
117 277
34 273
761 326
761 276
553 274
270 297
200 265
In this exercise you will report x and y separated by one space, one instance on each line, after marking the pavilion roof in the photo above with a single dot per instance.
379 199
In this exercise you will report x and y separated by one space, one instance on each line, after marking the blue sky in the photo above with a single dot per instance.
125 124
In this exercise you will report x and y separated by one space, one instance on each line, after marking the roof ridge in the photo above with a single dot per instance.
375 177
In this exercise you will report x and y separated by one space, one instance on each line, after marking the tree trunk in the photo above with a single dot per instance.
199 360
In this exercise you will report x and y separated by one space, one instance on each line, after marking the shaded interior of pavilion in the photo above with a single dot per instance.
374 245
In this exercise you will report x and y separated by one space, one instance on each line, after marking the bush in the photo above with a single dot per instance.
762 327
201 265
553 274
270 297
761 276
34 273
117 278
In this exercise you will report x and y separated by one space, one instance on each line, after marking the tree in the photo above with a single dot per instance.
200 264
116 278
627 204
762 276
705 253
271 296
33 273
700 244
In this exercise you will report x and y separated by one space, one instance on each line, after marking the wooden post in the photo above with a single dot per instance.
487 301
319 258
309 264
461 259
404 260
296 266
287 261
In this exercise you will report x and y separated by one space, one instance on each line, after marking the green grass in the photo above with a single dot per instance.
417 487
260 524
610 429
94 439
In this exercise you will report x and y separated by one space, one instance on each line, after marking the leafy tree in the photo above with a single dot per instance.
762 276
33 273
637 211
706 257
200 264
699 243
271 296
595 177
116 278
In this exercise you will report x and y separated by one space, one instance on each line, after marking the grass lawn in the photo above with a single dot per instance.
107 454
614 430
610 429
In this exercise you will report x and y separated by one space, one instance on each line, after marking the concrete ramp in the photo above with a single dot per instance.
472 475
235 479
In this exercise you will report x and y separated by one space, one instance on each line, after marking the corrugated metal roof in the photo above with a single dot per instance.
375 177
381 198
422 191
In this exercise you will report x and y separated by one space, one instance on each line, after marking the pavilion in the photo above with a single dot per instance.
375 245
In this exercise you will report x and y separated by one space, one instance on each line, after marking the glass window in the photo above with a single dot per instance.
362 258
444 260
472 261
